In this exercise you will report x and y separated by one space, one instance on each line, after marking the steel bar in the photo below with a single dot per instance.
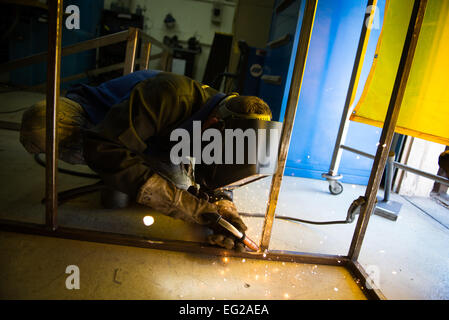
434 177
389 172
171 245
145 52
145 37
131 49
398 165
68 50
93 72
356 151
289 118
385 207
55 12
389 126
352 90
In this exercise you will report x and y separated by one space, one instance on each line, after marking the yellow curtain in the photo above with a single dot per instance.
425 109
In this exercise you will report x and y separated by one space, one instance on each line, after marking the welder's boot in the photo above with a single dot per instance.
163 196
443 162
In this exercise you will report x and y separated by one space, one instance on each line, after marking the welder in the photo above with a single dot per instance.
121 130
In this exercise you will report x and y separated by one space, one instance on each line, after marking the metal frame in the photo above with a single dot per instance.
332 175
349 261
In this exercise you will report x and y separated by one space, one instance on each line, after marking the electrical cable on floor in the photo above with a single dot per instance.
256 215
68 171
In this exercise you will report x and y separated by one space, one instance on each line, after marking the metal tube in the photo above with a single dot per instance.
67 50
172 245
364 154
389 170
131 48
145 52
386 138
352 90
401 166
55 10
434 177
289 119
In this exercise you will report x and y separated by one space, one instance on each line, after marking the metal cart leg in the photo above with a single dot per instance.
385 207
332 176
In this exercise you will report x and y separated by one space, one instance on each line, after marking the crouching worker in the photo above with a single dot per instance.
121 130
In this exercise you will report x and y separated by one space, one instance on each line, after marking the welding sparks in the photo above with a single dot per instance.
148 220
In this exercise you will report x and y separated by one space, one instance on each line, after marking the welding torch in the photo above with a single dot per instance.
217 220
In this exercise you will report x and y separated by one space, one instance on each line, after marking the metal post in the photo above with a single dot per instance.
386 138
385 207
332 175
131 48
145 51
389 170
289 119
55 10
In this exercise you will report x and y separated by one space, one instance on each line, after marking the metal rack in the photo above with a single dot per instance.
349 261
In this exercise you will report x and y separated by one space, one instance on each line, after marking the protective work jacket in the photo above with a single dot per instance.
117 147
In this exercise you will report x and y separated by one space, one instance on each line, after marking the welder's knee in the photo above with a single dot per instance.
71 119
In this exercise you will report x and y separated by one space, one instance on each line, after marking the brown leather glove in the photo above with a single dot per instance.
165 197
225 239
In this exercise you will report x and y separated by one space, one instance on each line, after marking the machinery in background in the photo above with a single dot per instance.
112 22
246 79
183 58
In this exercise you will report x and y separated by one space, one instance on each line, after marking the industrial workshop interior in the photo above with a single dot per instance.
224 150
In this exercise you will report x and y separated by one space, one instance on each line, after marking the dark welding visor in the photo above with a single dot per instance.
252 155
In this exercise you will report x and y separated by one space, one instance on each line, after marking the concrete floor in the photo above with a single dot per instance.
410 257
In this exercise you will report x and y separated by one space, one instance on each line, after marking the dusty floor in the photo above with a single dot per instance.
35 268
410 257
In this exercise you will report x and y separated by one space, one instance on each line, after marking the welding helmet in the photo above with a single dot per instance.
249 150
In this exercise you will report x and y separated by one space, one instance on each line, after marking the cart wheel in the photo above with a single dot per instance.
335 188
